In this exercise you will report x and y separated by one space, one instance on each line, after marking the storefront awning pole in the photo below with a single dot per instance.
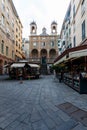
86 63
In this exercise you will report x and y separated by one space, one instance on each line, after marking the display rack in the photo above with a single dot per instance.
79 83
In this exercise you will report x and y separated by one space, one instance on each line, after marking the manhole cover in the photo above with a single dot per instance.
74 112
68 107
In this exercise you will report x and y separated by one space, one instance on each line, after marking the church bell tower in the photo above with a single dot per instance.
54 28
33 28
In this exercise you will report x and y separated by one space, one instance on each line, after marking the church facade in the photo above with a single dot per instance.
44 47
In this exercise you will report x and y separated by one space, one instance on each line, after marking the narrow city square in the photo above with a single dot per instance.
36 105
43 65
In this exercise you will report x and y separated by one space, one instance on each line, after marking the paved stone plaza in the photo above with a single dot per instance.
33 105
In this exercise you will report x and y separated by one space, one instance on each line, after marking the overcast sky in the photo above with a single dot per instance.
43 12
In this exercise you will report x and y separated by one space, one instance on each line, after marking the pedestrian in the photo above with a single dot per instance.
61 76
54 72
21 81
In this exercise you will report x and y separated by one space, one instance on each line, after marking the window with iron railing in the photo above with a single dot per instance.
6 50
73 11
7 11
83 7
74 41
2 47
83 30
69 31
3 20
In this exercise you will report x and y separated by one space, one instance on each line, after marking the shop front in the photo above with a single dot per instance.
4 63
73 66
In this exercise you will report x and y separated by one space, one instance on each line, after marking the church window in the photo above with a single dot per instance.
34 44
52 43
43 43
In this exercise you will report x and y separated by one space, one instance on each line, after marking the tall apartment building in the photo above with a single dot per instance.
74 28
43 47
79 21
18 39
10 34
25 47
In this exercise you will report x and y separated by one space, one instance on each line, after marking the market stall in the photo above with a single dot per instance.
23 70
74 62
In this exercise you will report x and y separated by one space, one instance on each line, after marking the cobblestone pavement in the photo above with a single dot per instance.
31 105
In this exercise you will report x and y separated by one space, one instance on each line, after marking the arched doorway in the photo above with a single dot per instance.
34 53
43 52
52 53
43 55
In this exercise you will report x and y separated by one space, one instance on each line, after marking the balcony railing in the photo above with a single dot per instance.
38 60
34 60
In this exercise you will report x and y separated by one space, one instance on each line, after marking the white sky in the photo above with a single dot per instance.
42 12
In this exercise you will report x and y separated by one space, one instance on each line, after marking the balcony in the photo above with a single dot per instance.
34 60
38 60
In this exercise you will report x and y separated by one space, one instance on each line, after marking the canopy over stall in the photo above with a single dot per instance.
21 65
71 54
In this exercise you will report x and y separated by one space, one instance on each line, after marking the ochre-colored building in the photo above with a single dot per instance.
10 34
18 40
43 48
